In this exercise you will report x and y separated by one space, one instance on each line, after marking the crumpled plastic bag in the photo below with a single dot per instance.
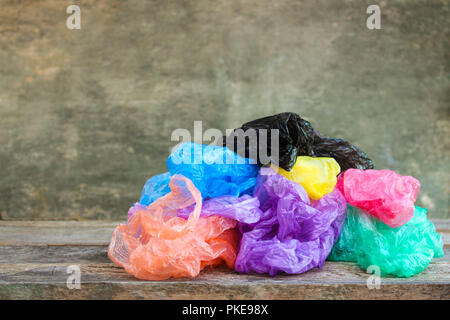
292 235
297 137
244 209
155 187
318 176
382 193
215 171
347 155
156 244
399 252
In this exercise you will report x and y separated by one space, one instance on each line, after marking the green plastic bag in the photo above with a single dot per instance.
399 252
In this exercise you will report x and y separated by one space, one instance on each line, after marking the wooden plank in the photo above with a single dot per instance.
34 256
221 291
441 224
38 233
41 273
106 281
104 270
53 254
27 258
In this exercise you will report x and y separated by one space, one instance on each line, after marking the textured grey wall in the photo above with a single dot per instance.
86 115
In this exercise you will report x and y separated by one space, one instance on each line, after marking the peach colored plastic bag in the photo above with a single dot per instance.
156 244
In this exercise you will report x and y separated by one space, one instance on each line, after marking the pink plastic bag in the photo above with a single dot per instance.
382 193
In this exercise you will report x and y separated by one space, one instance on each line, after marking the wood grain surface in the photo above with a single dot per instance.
34 257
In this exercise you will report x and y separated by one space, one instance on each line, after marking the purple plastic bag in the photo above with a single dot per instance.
292 235
244 209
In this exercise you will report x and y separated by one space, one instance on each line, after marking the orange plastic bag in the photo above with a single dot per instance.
156 244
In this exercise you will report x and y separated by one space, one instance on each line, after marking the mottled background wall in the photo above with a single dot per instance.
86 115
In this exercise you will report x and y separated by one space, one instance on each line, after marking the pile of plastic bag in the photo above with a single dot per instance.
319 199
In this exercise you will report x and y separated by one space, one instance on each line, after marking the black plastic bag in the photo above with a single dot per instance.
296 137
347 155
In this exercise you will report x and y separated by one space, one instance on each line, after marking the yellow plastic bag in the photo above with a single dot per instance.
316 175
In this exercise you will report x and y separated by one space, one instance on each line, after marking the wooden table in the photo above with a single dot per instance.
35 255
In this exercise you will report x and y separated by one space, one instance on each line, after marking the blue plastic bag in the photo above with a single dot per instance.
214 170
155 187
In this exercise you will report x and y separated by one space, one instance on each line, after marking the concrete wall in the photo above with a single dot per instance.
86 115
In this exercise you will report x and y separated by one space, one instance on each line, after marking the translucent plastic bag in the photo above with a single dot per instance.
318 176
399 252
382 193
297 137
347 155
155 187
215 171
244 209
156 244
292 234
